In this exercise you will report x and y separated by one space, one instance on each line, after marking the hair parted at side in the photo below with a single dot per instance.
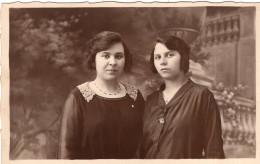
176 44
102 41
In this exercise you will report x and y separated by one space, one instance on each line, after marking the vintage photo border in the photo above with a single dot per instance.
5 80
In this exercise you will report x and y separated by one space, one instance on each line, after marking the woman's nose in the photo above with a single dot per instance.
163 61
112 61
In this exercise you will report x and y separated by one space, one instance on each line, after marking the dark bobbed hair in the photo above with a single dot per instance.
176 44
102 41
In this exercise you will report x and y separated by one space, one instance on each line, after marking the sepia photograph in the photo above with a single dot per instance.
131 82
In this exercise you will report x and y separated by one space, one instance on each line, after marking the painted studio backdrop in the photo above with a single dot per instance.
47 60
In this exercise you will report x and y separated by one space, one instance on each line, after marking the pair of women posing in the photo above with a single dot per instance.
106 119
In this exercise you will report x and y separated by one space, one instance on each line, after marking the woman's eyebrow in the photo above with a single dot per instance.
105 52
171 51
119 53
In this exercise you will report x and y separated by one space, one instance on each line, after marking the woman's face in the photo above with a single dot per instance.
110 63
167 62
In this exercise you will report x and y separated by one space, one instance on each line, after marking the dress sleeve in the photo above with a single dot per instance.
213 142
140 100
139 151
69 145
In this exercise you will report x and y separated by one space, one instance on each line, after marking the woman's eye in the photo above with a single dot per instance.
157 57
106 56
119 56
170 55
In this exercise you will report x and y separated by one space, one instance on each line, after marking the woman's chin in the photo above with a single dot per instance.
111 77
168 77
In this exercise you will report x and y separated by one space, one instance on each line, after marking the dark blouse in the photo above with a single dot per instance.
187 125
94 127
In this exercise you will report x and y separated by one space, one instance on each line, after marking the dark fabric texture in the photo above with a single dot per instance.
188 125
103 128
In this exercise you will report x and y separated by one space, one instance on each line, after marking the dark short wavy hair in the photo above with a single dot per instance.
176 44
102 41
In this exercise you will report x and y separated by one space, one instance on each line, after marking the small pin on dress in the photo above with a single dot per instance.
161 120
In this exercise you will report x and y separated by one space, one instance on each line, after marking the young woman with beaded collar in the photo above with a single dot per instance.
102 119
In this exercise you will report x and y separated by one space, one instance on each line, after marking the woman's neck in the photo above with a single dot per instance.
108 85
172 85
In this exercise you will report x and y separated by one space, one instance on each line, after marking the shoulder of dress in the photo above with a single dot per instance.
200 90
152 95
131 91
86 91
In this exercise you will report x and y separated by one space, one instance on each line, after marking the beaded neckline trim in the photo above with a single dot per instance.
88 93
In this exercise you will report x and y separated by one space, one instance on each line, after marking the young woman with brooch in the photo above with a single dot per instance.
181 119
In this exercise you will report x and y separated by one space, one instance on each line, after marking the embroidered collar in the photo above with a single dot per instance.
88 93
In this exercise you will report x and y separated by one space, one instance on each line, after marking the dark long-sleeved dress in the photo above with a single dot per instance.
94 127
187 125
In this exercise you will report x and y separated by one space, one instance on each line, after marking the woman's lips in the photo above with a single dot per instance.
164 69
112 70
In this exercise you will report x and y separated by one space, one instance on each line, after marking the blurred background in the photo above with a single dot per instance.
47 60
